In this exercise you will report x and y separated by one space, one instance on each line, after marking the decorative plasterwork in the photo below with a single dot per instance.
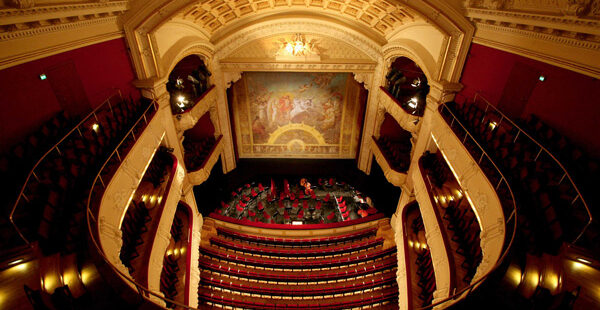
478 190
121 188
14 20
365 78
407 121
382 16
187 120
327 48
563 33
296 67
21 4
199 176
230 77
227 46
433 234
33 33
163 229
396 178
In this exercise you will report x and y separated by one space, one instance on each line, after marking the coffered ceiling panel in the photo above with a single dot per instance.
382 16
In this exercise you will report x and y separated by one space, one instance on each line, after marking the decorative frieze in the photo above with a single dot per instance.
565 33
21 4
297 66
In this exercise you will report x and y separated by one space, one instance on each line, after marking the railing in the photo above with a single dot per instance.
509 209
92 222
387 160
55 147
210 153
541 150
191 106
413 112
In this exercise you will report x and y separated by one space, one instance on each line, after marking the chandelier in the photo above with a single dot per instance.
297 47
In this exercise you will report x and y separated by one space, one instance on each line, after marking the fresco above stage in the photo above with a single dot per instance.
302 115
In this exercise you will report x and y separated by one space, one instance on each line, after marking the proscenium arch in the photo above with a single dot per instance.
146 16
305 25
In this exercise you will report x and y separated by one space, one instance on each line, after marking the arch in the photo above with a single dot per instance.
145 18
413 51
184 47
305 25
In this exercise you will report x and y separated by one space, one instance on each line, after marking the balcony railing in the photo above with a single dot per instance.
541 150
76 130
509 209
97 188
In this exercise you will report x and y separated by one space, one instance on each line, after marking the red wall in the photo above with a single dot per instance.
566 100
27 102
204 128
391 129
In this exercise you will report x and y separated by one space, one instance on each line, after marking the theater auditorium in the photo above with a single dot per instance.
299 154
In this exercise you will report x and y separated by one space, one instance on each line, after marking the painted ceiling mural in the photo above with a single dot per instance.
298 115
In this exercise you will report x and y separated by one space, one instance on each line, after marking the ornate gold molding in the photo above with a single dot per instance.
564 33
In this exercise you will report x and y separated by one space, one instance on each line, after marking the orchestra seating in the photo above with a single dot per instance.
396 151
52 207
458 221
550 210
322 271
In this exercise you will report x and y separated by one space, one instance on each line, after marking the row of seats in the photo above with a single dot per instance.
365 269
289 275
169 278
138 219
583 168
318 290
301 252
298 264
196 152
298 242
550 214
52 209
426 277
135 223
396 151
458 218
381 299
177 227
157 172
15 164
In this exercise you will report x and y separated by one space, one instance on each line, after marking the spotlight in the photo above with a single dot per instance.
43 76
413 102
